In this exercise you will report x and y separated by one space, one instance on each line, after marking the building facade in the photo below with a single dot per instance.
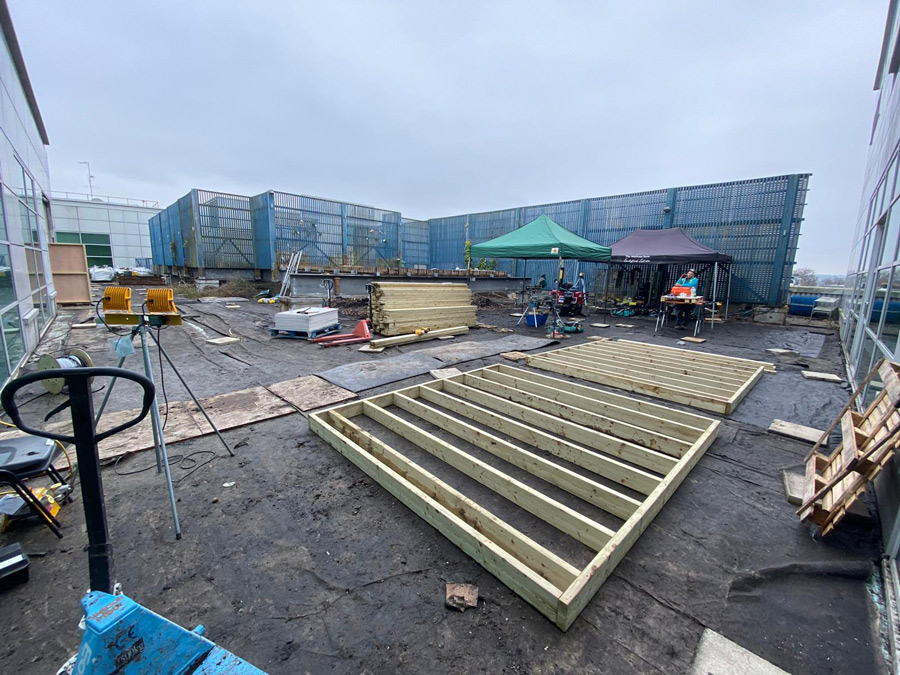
27 297
870 312
115 231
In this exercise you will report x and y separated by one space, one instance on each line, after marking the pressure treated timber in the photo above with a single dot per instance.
650 439
590 491
688 423
623 368
671 364
698 379
868 441
445 417
678 424
631 452
560 516
731 361
695 361
600 464
412 337
399 308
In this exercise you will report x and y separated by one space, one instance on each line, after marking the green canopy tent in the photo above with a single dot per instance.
541 238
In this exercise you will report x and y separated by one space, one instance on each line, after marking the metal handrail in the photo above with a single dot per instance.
118 201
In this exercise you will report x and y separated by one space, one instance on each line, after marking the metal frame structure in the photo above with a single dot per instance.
631 456
756 221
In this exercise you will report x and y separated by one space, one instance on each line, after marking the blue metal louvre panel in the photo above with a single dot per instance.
565 214
372 236
313 226
486 226
156 247
743 219
610 219
413 242
225 230
447 239
334 233
183 229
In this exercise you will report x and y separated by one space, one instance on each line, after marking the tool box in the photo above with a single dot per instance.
14 565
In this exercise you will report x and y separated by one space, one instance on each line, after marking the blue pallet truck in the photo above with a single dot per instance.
120 635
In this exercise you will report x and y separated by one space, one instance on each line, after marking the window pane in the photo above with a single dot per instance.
7 292
12 332
68 237
889 252
99 261
88 238
35 268
864 365
98 250
29 223
15 180
878 302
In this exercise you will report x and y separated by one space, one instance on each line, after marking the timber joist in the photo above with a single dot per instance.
399 308
868 441
594 466
699 379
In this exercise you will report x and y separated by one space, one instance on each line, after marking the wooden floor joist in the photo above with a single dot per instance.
608 452
707 381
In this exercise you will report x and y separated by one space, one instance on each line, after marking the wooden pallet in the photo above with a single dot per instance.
699 379
303 334
622 456
868 441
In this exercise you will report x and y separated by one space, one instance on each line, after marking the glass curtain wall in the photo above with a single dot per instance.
870 326
26 286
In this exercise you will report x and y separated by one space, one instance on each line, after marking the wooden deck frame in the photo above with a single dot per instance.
621 441
707 381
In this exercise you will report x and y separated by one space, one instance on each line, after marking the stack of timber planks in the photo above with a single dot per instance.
400 308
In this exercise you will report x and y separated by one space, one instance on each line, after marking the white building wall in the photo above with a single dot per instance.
124 221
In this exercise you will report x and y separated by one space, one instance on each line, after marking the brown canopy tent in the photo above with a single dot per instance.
671 246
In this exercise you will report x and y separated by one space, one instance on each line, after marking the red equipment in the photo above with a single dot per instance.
360 334
568 302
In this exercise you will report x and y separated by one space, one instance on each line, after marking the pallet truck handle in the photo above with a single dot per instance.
7 397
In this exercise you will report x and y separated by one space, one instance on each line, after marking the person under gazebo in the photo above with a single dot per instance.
683 311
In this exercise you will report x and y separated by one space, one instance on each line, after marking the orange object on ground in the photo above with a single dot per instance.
360 334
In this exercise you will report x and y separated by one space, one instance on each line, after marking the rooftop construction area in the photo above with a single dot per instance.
562 374
299 561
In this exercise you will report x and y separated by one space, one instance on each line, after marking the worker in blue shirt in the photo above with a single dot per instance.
579 283
683 311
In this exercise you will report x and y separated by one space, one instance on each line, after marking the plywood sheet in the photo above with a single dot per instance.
68 264
227 411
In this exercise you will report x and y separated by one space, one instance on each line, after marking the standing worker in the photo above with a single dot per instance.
579 283
684 310
542 282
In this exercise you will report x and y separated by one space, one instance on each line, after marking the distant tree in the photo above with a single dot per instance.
806 276
833 280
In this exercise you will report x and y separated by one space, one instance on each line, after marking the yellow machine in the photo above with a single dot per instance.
159 306
117 306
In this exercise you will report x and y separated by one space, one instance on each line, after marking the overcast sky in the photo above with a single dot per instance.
436 109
